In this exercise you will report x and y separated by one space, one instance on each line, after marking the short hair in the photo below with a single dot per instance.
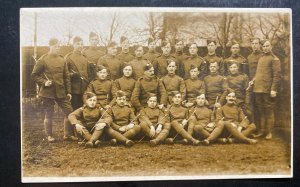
255 38
174 93
151 95
190 44
171 60
93 34
150 40
177 40
148 66
120 93
193 67
123 38
138 46
77 39
53 41
262 42
112 44
100 68
164 43
211 41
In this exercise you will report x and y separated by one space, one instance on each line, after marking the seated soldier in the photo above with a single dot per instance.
235 121
90 122
179 117
154 122
123 118
203 121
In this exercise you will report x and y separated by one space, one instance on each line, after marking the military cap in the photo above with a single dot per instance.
53 41
262 42
164 43
174 93
112 44
193 67
100 68
229 90
77 39
88 95
255 38
170 60
177 40
120 93
123 38
211 41
126 65
231 62
148 66
190 44
138 46
151 95
234 42
93 34
150 40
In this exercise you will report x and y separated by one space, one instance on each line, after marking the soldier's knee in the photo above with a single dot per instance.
137 128
144 126
198 128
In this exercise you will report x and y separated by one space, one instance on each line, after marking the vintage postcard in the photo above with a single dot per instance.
122 94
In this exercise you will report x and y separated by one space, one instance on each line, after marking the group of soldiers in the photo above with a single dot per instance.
163 98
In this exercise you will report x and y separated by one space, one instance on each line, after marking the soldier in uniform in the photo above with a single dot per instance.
236 57
125 55
254 57
234 120
212 57
123 118
91 122
110 61
173 82
125 83
203 122
154 122
216 87
52 75
101 87
238 82
195 60
160 64
194 86
267 79
79 72
179 55
151 55
138 62
179 118
148 83
93 54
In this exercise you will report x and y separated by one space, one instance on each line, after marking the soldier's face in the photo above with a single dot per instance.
94 41
139 52
102 74
78 46
211 47
152 46
213 67
121 100
127 71
179 46
193 49
171 68
200 100
166 49
255 45
91 102
152 102
230 98
233 68
235 49
112 50
125 46
267 47
177 99
54 49
194 73
149 73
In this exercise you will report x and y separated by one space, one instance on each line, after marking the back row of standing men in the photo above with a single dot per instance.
90 70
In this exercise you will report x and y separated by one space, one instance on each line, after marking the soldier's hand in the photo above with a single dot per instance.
78 127
107 107
48 83
218 105
273 93
239 128
211 125
184 122
122 129
161 106
189 104
152 131
158 129
69 97
130 126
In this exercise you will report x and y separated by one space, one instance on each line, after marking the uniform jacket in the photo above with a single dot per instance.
113 64
194 87
152 116
121 116
78 63
233 114
252 63
93 54
214 58
160 65
239 84
178 113
268 74
151 56
102 88
242 64
216 85
138 65
56 70
173 83
125 57
197 61
202 114
126 84
143 87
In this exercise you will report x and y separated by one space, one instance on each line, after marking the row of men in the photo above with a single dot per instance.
69 77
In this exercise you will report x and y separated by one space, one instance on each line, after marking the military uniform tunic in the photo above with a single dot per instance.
102 88
151 56
215 85
239 83
152 116
113 64
126 84
241 61
252 63
138 65
233 114
197 61
125 57
173 83
160 65
121 116
211 59
194 87
93 54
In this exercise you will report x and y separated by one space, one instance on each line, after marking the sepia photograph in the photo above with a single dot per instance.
135 94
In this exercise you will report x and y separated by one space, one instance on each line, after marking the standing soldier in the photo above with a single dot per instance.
179 55
212 57
93 54
79 72
173 82
194 86
154 122
125 55
232 117
254 57
160 64
267 79
110 61
139 62
195 60
101 87
216 87
52 76
151 55
236 57
145 85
